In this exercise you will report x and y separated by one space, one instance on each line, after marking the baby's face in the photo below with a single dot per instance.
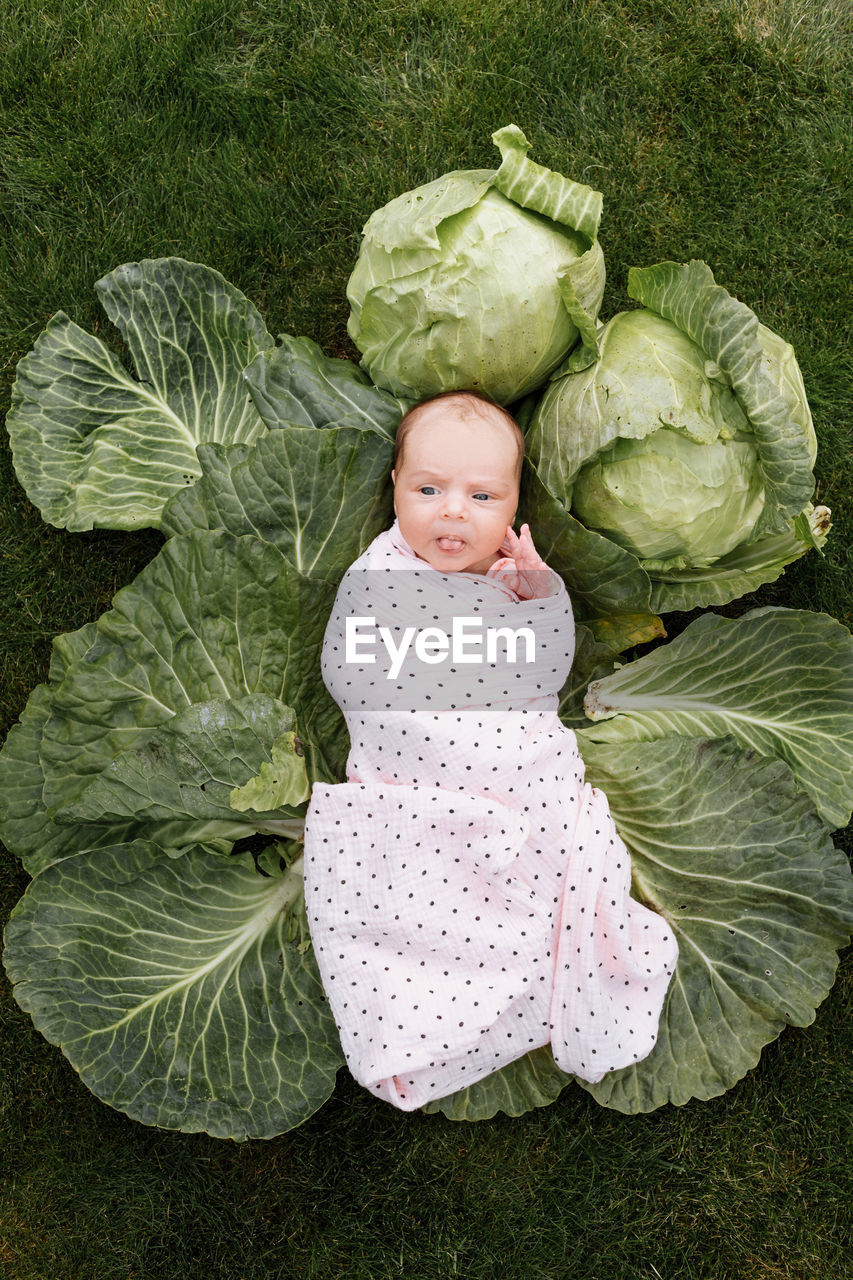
457 488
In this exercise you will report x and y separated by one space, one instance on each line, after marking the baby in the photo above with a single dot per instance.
456 479
467 893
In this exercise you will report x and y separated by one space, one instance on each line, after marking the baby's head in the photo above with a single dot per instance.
457 468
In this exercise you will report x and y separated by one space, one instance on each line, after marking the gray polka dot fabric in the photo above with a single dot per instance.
467 893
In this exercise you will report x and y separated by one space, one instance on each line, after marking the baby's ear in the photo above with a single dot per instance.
393 477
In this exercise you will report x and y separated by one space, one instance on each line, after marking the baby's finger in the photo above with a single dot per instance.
535 559
527 537
526 552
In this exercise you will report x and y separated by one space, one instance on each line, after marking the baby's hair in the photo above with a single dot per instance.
473 401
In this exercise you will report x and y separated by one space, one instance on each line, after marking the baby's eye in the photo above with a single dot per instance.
428 489
482 497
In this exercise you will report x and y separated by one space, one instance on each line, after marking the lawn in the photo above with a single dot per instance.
257 138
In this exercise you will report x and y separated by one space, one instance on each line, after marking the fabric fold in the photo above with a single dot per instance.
614 957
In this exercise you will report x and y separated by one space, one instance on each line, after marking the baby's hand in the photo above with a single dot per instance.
522 569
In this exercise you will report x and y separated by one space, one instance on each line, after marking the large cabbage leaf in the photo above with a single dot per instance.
174 787
180 988
532 1081
725 846
319 497
94 446
297 384
479 279
748 566
211 617
25 826
196 765
778 680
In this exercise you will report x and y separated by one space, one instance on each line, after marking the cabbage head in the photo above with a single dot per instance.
688 442
482 278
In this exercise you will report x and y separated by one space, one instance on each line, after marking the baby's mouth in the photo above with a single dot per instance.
448 543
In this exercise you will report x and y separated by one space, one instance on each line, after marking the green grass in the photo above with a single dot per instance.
257 138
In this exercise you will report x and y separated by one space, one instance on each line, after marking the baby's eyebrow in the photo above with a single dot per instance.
418 477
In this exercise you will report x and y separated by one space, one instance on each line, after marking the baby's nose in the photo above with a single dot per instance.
454 506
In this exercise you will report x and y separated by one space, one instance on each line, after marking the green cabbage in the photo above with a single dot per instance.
688 442
95 447
479 279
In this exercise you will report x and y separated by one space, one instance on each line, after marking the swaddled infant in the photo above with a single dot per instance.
467 893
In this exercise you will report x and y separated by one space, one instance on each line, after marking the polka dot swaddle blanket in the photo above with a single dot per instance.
467 893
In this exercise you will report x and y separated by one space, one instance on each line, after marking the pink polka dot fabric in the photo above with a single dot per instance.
467 893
